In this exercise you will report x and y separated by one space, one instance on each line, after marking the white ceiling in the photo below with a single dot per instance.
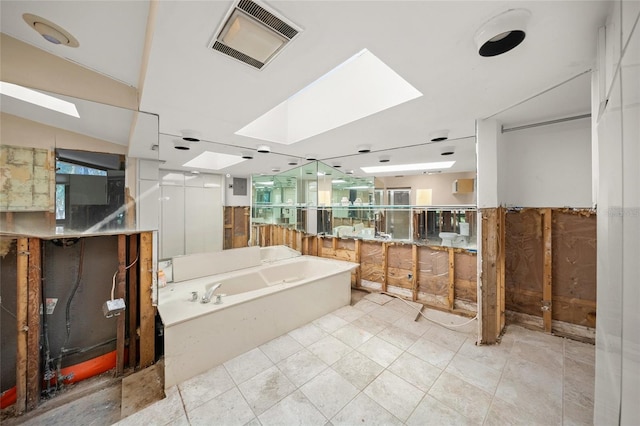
429 43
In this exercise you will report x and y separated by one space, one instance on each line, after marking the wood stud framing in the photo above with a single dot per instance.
120 293
147 310
546 273
391 265
29 277
33 324
22 300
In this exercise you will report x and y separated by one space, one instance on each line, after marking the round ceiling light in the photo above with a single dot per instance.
311 157
447 151
263 149
384 159
49 31
363 149
439 135
190 135
181 144
292 161
502 33
247 155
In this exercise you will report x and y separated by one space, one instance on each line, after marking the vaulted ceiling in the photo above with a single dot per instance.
428 43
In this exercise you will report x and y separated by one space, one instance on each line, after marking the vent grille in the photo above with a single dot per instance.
260 16
267 18
236 55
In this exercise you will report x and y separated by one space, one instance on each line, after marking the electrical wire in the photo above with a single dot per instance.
113 280
73 292
432 320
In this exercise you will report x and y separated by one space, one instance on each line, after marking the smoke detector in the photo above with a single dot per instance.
252 34
502 33
181 144
49 31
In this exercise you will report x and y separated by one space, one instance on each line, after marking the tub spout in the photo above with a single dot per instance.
209 294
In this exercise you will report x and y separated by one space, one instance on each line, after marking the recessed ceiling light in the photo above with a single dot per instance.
190 135
292 162
384 159
246 155
311 157
181 144
363 149
408 167
447 151
336 165
49 31
263 149
213 161
439 135
275 169
502 33
37 98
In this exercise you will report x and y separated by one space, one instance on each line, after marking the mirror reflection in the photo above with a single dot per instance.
65 174
431 208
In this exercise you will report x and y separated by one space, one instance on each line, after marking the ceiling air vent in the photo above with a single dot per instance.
252 34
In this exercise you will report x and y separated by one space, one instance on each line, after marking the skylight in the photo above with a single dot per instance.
213 161
408 167
37 98
361 86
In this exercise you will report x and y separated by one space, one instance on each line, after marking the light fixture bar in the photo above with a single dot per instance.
37 98
408 167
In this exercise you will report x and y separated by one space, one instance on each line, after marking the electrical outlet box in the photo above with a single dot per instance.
113 307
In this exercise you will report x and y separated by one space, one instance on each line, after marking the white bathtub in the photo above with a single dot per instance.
261 303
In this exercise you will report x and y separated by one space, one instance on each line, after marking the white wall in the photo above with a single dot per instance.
546 166
617 387
148 199
191 217
440 185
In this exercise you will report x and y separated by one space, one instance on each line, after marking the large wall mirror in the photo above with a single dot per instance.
378 195
68 166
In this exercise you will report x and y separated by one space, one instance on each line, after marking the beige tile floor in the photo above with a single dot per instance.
370 363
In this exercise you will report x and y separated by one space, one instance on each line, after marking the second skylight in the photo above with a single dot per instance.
361 86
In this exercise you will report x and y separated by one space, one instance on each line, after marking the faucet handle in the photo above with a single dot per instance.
194 296
218 299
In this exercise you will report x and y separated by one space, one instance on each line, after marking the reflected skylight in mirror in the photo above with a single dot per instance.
213 161
37 98
361 86
408 167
